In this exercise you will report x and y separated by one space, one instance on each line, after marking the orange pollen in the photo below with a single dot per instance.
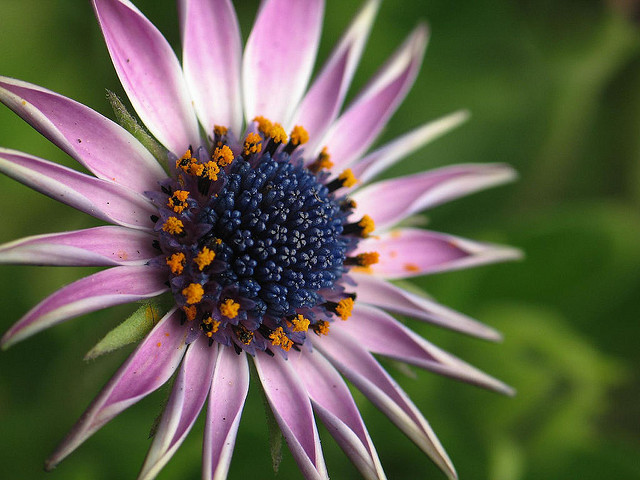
193 293
173 225
367 225
344 308
367 259
211 171
411 267
321 327
277 133
204 258
264 125
243 334
278 337
178 201
215 324
300 324
176 263
196 169
219 130
223 156
185 161
323 161
190 312
299 135
252 144
347 178
229 308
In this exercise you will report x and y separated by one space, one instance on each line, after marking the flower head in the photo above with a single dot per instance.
264 231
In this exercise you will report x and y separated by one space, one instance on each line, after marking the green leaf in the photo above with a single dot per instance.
129 123
131 330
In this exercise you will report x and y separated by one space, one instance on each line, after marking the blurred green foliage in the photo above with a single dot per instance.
554 88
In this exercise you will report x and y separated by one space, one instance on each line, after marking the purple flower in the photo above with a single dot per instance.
249 217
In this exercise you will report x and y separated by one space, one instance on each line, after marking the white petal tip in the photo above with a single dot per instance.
459 117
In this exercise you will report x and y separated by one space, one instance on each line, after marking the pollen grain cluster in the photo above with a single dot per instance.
257 240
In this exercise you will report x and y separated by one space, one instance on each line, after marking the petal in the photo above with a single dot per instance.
407 252
226 401
354 132
279 57
188 395
380 333
379 292
291 407
100 198
335 406
107 288
103 147
361 369
146 370
96 247
150 74
389 154
323 101
391 201
211 58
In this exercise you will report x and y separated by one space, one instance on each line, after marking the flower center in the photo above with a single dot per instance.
256 244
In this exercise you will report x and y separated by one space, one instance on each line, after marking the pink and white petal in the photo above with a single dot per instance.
103 147
100 198
146 370
357 128
377 291
391 201
226 401
408 252
333 403
362 369
187 398
322 103
380 333
386 156
279 57
292 409
97 247
211 59
150 74
107 288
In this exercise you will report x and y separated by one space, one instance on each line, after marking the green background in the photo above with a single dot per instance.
554 89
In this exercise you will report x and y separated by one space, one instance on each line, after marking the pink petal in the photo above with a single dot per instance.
334 404
279 57
391 201
400 148
188 395
211 59
107 288
146 370
102 199
366 374
407 252
291 407
376 291
97 247
226 401
380 333
102 146
150 74
322 103
354 132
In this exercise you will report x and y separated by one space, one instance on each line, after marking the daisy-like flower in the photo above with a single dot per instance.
254 216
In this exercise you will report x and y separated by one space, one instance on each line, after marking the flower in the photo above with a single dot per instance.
253 215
